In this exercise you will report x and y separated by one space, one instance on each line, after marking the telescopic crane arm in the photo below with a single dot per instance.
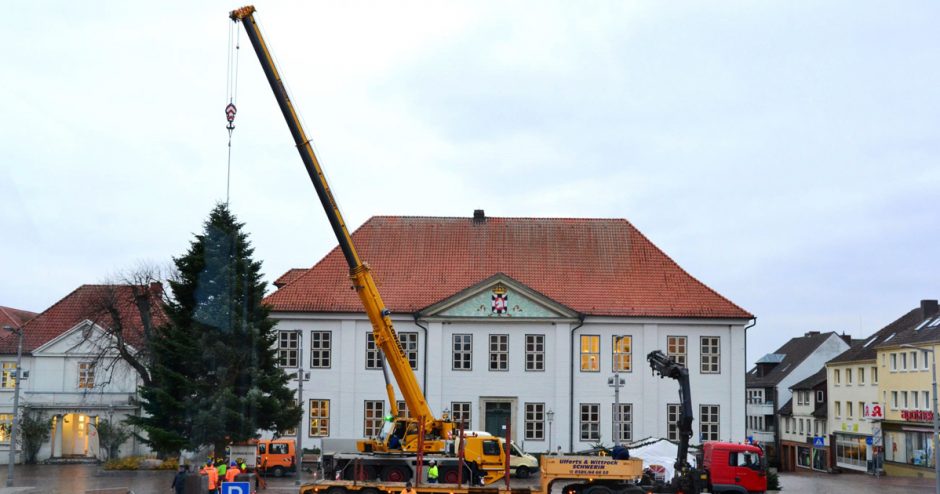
385 337
666 367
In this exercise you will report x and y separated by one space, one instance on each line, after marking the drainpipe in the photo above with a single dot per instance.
749 326
571 387
424 366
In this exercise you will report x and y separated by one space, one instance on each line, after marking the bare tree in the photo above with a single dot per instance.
124 312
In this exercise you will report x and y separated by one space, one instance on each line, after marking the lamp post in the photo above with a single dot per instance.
16 402
551 416
299 449
616 382
936 418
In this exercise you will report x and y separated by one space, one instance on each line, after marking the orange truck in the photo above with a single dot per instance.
275 457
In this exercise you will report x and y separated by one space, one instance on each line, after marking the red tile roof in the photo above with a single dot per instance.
289 276
14 317
85 303
593 266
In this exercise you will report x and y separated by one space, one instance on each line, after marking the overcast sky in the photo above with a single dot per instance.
784 153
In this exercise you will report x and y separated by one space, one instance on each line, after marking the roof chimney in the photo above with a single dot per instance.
811 333
847 338
479 216
928 308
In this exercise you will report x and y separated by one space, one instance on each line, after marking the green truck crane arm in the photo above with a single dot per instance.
383 331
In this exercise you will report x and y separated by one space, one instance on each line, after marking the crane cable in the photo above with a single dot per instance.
231 93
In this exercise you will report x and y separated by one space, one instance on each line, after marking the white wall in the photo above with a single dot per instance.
347 383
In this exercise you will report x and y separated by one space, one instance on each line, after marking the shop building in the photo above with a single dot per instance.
804 442
905 361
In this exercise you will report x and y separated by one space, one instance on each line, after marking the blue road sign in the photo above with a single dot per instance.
868 440
236 488
819 441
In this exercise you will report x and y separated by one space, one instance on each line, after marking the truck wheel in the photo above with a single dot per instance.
448 475
395 473
278 471
633 489
597 489
336 490
522 472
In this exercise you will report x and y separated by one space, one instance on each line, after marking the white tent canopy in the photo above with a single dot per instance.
654 451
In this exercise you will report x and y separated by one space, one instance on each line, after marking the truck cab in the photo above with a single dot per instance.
276 456
735 468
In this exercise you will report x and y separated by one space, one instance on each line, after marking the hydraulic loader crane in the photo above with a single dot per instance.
687 479
437 431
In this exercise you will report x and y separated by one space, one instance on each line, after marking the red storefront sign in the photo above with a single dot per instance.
917 415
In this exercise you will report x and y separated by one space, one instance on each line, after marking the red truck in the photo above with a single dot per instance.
734 468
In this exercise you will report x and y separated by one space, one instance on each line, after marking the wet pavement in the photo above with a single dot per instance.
851 483
77 479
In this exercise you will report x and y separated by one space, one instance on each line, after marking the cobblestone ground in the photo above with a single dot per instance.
77 479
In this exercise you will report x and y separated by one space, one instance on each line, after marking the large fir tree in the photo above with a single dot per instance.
215 378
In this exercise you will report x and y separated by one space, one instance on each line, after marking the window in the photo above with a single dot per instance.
463 352
815 427
913 360
708 423
499 352
6 423
622 354
676 348
904 400
373 355
820 396
8 382
894 400
279 448
801 426
460 413
711 355
848 409
837 376
535 352
672 421
904 361
623 422
874 375
535 421
838 409
320 348
287 343
861 375
590 353
848 377
590 422
319 418
402 409
894 361
409 343
86 375
915 400
926 395
786 425
373 417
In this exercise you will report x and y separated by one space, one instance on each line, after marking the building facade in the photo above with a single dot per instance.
769 382
904 387
804 439
75 379
520 320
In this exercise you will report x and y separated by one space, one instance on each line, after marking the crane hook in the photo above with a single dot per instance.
230 111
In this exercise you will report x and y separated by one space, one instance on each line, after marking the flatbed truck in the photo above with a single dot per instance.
576 474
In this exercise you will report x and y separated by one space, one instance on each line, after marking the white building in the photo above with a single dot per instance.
804 439
73 381
583 298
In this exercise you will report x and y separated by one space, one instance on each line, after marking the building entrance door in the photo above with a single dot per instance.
497 413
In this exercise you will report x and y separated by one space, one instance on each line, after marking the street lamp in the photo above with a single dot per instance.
16 401
936 418
551 416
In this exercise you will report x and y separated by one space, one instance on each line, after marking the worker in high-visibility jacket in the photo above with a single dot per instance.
213 475
231 472
432 472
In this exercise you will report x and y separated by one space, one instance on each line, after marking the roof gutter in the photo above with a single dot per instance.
571 387
749 326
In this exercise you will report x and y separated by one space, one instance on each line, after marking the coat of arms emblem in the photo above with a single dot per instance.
500 299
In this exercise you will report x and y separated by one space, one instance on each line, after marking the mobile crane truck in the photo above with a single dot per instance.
724 467
405 443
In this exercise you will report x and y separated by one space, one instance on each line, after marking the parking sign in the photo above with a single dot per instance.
236 488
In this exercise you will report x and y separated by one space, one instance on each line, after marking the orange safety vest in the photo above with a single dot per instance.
213 475
231 473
